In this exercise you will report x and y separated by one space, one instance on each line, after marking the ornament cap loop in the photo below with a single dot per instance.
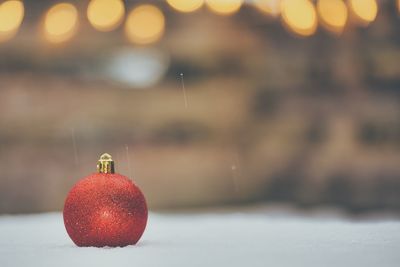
105 164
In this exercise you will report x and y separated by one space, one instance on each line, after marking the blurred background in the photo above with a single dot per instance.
202 103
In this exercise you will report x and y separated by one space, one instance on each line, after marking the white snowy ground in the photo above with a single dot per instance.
253 238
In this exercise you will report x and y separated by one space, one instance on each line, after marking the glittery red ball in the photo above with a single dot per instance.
105 210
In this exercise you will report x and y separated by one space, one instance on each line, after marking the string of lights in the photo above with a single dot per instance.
145 23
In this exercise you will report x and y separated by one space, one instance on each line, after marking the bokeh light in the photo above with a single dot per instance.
299 16
269 7
11 16
105 15
186 5
224 7
60 23
333 14
398 5
138 68
145 24
363 11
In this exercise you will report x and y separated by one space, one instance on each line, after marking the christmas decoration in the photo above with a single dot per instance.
105 209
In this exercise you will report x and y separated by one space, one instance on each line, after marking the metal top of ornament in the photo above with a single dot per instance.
105 164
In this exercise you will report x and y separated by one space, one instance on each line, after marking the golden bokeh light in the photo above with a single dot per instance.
299 16
224 7
186 5
145 24
60 23
105 15
363 11
269 7
333 14
11 16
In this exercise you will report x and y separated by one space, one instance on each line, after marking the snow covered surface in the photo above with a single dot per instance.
250 238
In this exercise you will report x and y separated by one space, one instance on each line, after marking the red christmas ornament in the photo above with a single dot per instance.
105 209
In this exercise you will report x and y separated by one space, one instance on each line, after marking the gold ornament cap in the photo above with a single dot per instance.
105 164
